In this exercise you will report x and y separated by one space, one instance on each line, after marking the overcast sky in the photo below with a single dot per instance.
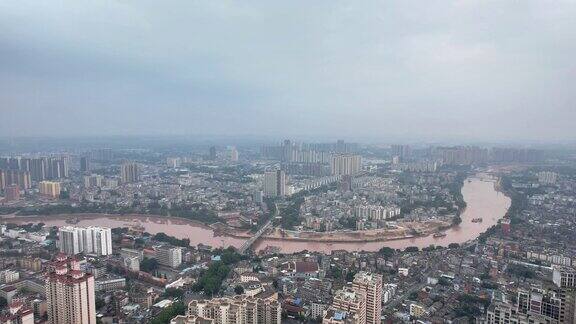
471 69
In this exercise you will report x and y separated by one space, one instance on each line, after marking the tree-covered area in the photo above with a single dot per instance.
455 188
168 313
173 293
520 271
470 306
191 212
518 200
8 210
228 255
291 214
211 280
149 265
163 237
387 252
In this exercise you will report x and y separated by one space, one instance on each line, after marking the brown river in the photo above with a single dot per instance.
482 199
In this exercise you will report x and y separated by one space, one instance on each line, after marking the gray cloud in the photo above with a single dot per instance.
465 69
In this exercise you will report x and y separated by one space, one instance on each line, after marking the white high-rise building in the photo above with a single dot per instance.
69 293
169 256
89 240
70 240
345 164
98 240
275 183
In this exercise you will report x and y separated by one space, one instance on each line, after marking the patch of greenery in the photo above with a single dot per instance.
167 314
149 265
211 280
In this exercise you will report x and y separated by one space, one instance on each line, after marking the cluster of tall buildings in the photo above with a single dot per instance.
547 304
522 155
88 240
468 155
345 164
374 212
307 169
130 172
41 168
289 151
360 303
70 293
420 166
18 178
402 152
102 155
23 171
461 155
547 177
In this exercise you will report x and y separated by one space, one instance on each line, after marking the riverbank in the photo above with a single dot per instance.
483 201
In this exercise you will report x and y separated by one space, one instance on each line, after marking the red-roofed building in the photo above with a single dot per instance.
18 314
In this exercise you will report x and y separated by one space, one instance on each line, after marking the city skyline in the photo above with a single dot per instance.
437 71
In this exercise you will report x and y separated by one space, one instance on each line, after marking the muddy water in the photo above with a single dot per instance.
480 195
482 200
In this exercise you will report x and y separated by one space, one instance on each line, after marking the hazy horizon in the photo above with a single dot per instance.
404 71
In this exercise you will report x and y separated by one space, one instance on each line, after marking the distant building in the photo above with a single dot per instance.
20 178
93 181
130 172
547 177
2 180
173 162
275 183
212 153
403 152
84 164
345 164
49 189
103 155
233 154
12 192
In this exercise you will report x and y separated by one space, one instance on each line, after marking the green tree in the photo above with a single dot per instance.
167 314
149 265
239 290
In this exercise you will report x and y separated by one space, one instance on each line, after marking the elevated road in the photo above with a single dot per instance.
248 244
